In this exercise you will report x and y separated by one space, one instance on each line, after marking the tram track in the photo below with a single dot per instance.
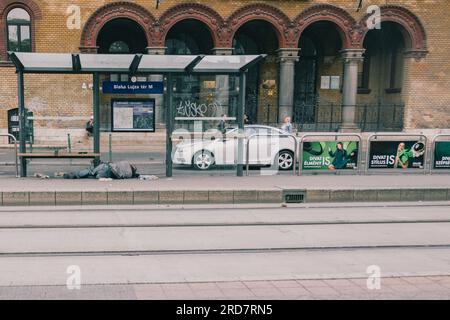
239 224
216 251
129 234
226 207
117 245
219 238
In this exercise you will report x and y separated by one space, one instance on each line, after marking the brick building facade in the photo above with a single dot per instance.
326 67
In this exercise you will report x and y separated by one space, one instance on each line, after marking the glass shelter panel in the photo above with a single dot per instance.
205 124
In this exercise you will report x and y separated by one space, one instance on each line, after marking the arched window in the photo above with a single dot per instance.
18 23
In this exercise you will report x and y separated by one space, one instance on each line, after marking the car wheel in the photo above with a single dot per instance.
203 160
285 160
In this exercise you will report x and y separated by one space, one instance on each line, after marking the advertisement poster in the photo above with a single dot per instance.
442 155
330 155
133 115
396 155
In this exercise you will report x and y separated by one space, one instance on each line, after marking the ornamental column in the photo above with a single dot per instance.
351 58
287 58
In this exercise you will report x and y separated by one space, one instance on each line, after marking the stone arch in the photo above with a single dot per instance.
325 12
257 11
195 11
411 27
5 6
109 12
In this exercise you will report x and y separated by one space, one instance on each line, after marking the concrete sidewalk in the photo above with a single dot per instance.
411 288
226 189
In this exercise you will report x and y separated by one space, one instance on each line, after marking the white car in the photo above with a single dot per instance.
269 146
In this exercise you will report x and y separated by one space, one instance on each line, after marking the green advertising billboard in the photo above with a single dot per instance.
330 155
442 155
397 155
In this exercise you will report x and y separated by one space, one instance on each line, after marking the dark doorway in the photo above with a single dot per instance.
257 37
314 108
305 93
122 36
380 79
189 37
384 54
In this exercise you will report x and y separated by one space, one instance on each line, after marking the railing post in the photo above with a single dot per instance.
16 161
69 144
22 124
247 156
110 147
300 156
294 168
15 157
169 125
96 106
240 121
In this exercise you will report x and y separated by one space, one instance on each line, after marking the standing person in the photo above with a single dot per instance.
222 125
90 126
247 119
287 125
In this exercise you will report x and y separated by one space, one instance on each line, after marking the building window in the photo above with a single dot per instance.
364 74
395 72
18 23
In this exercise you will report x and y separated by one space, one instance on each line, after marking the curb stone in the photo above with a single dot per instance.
176 197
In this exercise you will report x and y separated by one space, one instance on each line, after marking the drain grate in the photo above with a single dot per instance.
294 197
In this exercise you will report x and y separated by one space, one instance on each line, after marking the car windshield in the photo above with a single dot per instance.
230 130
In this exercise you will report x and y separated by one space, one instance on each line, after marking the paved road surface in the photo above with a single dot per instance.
234 252
146 162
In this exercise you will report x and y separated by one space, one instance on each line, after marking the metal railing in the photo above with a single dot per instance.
335 136
380 117
16 162
375 135
369 117
247 156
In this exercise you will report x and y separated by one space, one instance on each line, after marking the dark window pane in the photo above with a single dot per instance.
25 39
13 38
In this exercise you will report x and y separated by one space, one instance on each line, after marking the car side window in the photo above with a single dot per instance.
267 131
274 132
249 131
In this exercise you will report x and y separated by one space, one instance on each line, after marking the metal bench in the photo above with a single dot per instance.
59 155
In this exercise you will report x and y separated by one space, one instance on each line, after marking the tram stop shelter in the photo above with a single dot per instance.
132 64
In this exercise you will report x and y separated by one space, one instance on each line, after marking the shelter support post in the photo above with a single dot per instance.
22 124
96 106
240 120
169 125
